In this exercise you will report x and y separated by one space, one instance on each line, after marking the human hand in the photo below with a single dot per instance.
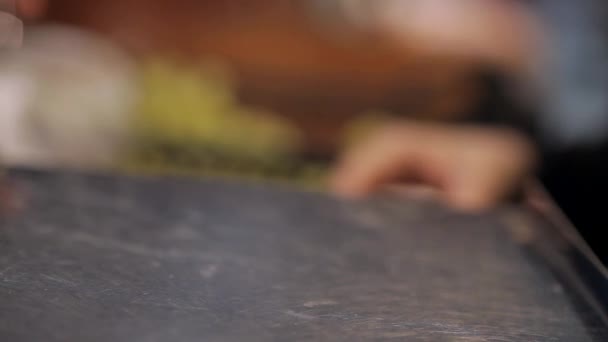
470 168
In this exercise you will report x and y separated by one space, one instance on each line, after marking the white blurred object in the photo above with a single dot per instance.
66 99
11 30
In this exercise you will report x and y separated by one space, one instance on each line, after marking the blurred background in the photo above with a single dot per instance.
279 86
276 89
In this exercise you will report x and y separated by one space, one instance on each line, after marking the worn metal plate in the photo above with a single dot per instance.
102 258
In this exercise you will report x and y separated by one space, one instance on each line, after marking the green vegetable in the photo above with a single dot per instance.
190 122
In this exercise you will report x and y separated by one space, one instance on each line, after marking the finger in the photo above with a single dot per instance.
368 164
400 152
477 191
496 167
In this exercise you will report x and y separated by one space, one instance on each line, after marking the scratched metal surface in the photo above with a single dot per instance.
105 259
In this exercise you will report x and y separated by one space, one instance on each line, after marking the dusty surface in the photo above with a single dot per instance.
106 259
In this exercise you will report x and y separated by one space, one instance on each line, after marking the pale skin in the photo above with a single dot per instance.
470 168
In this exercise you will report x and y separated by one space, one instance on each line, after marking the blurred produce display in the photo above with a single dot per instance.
269 89
190 121
300 59
193 106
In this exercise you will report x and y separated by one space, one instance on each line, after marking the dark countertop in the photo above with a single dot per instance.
100 258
